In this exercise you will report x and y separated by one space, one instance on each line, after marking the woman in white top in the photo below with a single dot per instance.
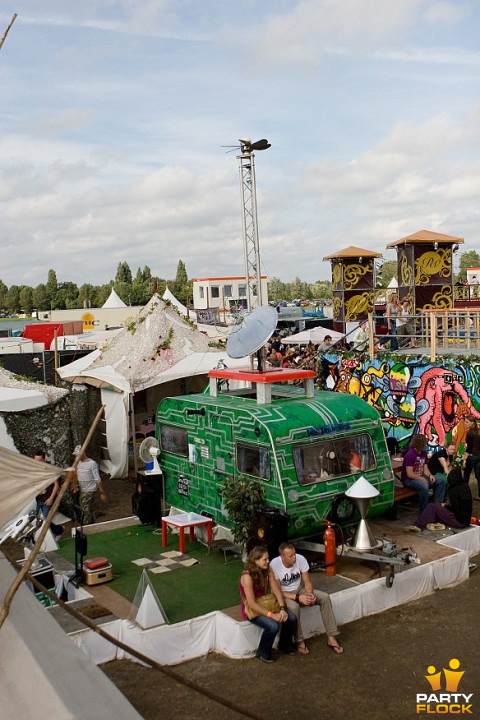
391 314
405 326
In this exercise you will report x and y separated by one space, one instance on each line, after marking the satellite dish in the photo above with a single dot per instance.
149 449
251 332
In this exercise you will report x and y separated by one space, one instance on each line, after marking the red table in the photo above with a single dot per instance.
182 521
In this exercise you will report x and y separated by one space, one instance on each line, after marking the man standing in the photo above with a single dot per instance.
89 481
46 497
292 572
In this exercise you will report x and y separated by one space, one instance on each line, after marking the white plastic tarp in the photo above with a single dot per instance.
15 400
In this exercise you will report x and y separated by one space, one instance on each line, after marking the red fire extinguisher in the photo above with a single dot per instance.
330 544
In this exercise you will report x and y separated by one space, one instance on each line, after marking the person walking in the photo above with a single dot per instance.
89 482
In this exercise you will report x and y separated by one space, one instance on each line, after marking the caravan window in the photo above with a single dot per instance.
174 440
253 460
334 458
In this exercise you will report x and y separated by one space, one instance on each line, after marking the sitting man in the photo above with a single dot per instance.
292 572
46 497
415 473
360 337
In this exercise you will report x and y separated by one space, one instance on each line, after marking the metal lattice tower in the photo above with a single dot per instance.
248 194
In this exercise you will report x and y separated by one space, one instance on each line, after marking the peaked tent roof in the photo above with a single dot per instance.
157 346
352 252
113 301
423 236
168 295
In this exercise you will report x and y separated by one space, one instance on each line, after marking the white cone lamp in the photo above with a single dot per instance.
361 493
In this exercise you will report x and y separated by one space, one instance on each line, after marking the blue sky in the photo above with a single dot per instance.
114 113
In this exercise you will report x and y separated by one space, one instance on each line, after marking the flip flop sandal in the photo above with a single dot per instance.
303 649
337 649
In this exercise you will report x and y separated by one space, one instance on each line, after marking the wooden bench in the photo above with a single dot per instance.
400 493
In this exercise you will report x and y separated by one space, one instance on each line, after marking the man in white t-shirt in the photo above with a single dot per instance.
89 481
292 572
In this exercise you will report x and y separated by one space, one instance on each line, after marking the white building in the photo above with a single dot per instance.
224 294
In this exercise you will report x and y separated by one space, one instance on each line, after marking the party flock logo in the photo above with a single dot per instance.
448 700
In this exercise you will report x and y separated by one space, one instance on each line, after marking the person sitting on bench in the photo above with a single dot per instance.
415 473
455 513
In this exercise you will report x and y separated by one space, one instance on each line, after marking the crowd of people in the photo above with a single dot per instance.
400 333
442 481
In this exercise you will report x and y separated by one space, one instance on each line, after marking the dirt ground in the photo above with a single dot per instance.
383 668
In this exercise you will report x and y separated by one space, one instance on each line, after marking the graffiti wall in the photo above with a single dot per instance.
412 396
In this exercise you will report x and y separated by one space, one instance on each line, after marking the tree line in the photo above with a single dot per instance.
66 295
137 289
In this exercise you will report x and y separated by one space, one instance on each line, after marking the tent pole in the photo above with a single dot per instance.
132 430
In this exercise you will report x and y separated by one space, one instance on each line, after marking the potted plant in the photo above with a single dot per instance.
241 498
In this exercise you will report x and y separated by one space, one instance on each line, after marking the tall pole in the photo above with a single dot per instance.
251 248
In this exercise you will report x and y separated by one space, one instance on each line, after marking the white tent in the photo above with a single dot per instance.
393 283
42 673
113 301
158 347
167 295
21 478
315 335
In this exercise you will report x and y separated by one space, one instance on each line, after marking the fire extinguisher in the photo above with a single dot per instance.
330 544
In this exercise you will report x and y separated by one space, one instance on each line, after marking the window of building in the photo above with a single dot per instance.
215 291
201 291
242 291
174 440
253 460
329 459
227 291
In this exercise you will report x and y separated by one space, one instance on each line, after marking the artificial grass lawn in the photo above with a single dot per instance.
185 592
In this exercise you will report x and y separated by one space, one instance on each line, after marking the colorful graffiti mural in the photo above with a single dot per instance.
413 396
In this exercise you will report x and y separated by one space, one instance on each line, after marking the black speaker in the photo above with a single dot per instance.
147 498
270 528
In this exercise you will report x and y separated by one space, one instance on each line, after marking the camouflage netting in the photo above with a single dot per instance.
57 427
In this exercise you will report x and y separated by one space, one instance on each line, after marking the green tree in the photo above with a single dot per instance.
85 295
66 297
26 299
13 299
322 290
181 277
124 291
276 289
124 274
3 295
52 285
40 297
101 294
182 288
388 271
468 259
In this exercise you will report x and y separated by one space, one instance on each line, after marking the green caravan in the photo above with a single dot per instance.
305 447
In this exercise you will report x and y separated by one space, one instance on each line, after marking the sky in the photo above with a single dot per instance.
115 114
